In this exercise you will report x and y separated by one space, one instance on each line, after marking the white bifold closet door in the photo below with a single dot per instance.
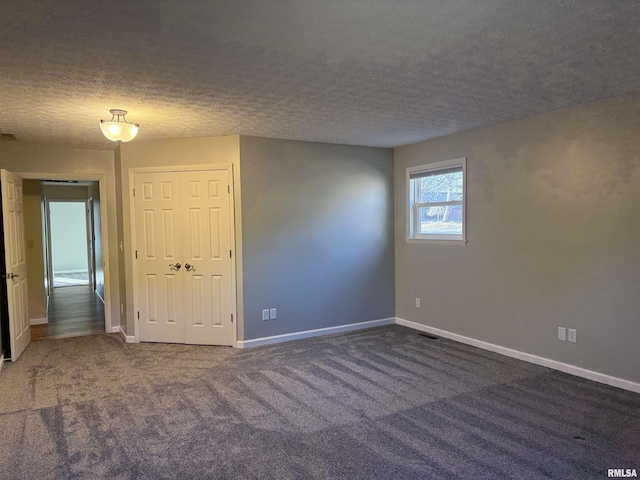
184 238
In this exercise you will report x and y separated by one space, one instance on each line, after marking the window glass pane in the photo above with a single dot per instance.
440 188
440 220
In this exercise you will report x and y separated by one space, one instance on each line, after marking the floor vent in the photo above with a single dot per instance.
428 335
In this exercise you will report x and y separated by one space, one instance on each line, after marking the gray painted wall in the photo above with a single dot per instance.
553 237
32 191
317 235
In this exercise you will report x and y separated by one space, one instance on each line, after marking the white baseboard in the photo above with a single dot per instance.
127 338
527 357
38 321
256 342
115 330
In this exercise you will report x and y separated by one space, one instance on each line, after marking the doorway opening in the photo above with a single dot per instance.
25 232
69 247
72 279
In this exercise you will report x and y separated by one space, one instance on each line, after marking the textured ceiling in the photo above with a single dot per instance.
365 72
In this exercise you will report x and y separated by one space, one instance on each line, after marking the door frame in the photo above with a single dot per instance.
46 224
233 214
91 244
102 185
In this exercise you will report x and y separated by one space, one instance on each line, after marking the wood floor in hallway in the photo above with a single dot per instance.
73 312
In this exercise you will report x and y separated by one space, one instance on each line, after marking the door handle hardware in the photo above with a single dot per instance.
189 267
13 275
177 266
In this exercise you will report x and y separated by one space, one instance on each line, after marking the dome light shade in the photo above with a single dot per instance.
118 129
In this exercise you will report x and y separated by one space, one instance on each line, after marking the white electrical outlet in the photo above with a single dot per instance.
273 314
573 335
417 303
265 314
562 334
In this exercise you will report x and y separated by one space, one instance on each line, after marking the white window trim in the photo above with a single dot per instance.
411 211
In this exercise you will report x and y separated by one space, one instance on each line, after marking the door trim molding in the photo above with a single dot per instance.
101 178
234 184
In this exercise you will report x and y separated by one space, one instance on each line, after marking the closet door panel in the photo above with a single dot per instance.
159 279
208 253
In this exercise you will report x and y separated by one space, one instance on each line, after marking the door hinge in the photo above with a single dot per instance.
232 318
138 315
229 188
136 253
230 254
134 192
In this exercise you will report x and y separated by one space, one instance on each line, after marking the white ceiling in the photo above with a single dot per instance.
365 72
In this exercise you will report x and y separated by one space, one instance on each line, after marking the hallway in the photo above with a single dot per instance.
73 312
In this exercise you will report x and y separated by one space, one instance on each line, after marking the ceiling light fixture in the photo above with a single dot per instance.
118 130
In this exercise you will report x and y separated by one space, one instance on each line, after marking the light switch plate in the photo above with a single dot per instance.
265 314
573 335
562 334
273 314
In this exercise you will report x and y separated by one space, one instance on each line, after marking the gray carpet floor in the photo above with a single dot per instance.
372 404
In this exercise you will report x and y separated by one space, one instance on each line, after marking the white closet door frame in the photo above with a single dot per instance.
233 231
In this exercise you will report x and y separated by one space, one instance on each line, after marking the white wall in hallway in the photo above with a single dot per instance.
68 236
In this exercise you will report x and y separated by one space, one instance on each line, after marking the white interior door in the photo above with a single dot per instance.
184 219
207 255
16 274
159 257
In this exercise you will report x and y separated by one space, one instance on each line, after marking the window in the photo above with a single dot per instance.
436 202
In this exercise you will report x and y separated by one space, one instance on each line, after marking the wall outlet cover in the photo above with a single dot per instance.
417 303
573 335
265 314
273 314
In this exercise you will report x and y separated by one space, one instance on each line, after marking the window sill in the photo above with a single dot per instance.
427 241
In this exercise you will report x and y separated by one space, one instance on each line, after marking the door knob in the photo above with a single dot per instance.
177 266
189 267
13 275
